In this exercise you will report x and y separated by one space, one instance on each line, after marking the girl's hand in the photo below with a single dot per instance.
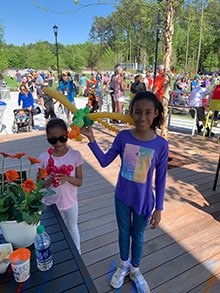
87 131
61 178
155 219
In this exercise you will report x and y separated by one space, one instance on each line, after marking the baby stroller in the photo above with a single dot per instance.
22 120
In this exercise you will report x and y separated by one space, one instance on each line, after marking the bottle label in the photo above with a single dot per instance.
43 254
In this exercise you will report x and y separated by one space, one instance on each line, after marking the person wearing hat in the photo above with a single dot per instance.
158 87
195 82
67 87
30 82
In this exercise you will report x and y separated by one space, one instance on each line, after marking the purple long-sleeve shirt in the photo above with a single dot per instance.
139 159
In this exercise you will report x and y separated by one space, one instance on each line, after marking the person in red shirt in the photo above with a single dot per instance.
158 87
148 81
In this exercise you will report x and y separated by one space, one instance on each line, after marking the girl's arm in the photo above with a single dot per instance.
32 100
104 159
19 99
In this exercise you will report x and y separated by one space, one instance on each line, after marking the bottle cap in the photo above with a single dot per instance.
40 229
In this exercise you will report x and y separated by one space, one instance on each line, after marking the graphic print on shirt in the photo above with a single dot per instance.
137 161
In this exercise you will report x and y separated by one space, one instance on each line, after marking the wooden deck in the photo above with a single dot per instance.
183 254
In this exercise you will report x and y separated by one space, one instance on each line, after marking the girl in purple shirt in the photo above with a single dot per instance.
142 152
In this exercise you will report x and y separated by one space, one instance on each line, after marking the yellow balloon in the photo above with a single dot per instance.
110 115
93 116
61 98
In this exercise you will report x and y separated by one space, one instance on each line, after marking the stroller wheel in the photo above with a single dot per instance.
15 128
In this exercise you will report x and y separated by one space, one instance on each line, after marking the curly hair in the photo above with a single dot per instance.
149 96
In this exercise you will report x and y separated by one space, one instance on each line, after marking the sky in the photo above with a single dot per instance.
24 23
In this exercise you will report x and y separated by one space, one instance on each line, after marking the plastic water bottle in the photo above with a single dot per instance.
42 249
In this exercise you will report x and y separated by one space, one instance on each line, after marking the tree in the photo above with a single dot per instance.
108 60
168 35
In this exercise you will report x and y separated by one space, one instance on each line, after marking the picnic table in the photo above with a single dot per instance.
68 273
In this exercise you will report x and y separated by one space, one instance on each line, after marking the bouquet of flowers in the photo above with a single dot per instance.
20 196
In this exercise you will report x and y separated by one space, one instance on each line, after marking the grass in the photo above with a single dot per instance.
11 83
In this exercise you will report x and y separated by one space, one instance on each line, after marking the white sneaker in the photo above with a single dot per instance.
140 283
121 272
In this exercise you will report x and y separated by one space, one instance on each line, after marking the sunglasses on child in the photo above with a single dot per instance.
54 140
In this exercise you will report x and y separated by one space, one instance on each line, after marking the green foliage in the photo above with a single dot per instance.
17 205
126 35
11 82
107 60
40 55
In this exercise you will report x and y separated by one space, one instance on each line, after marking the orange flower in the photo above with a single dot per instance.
6 155
42 173
33 160
11 175
19 155
28 185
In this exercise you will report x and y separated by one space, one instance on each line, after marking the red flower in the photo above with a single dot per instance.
28 185
11 176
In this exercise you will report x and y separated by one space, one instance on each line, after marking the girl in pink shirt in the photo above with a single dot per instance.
65 196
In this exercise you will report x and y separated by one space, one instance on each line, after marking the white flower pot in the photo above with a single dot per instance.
19 234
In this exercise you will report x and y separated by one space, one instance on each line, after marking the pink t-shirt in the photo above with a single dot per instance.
66 194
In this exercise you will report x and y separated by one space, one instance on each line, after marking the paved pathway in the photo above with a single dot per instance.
178 125
39 120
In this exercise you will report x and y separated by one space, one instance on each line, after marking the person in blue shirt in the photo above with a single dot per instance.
195 82
26 100
82 81
67 87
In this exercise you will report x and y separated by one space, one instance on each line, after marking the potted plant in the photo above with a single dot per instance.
21 201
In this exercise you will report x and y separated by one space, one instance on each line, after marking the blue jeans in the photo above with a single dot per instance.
130 225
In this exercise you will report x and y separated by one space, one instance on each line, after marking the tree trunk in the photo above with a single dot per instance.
168 35
200 38
187 45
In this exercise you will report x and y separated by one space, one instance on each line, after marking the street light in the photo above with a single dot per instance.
55 30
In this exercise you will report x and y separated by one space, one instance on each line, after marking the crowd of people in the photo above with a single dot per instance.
116 83
30 90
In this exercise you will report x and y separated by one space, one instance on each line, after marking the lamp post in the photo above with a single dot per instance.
55 30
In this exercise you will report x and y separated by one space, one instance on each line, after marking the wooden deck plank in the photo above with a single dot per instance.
181 251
